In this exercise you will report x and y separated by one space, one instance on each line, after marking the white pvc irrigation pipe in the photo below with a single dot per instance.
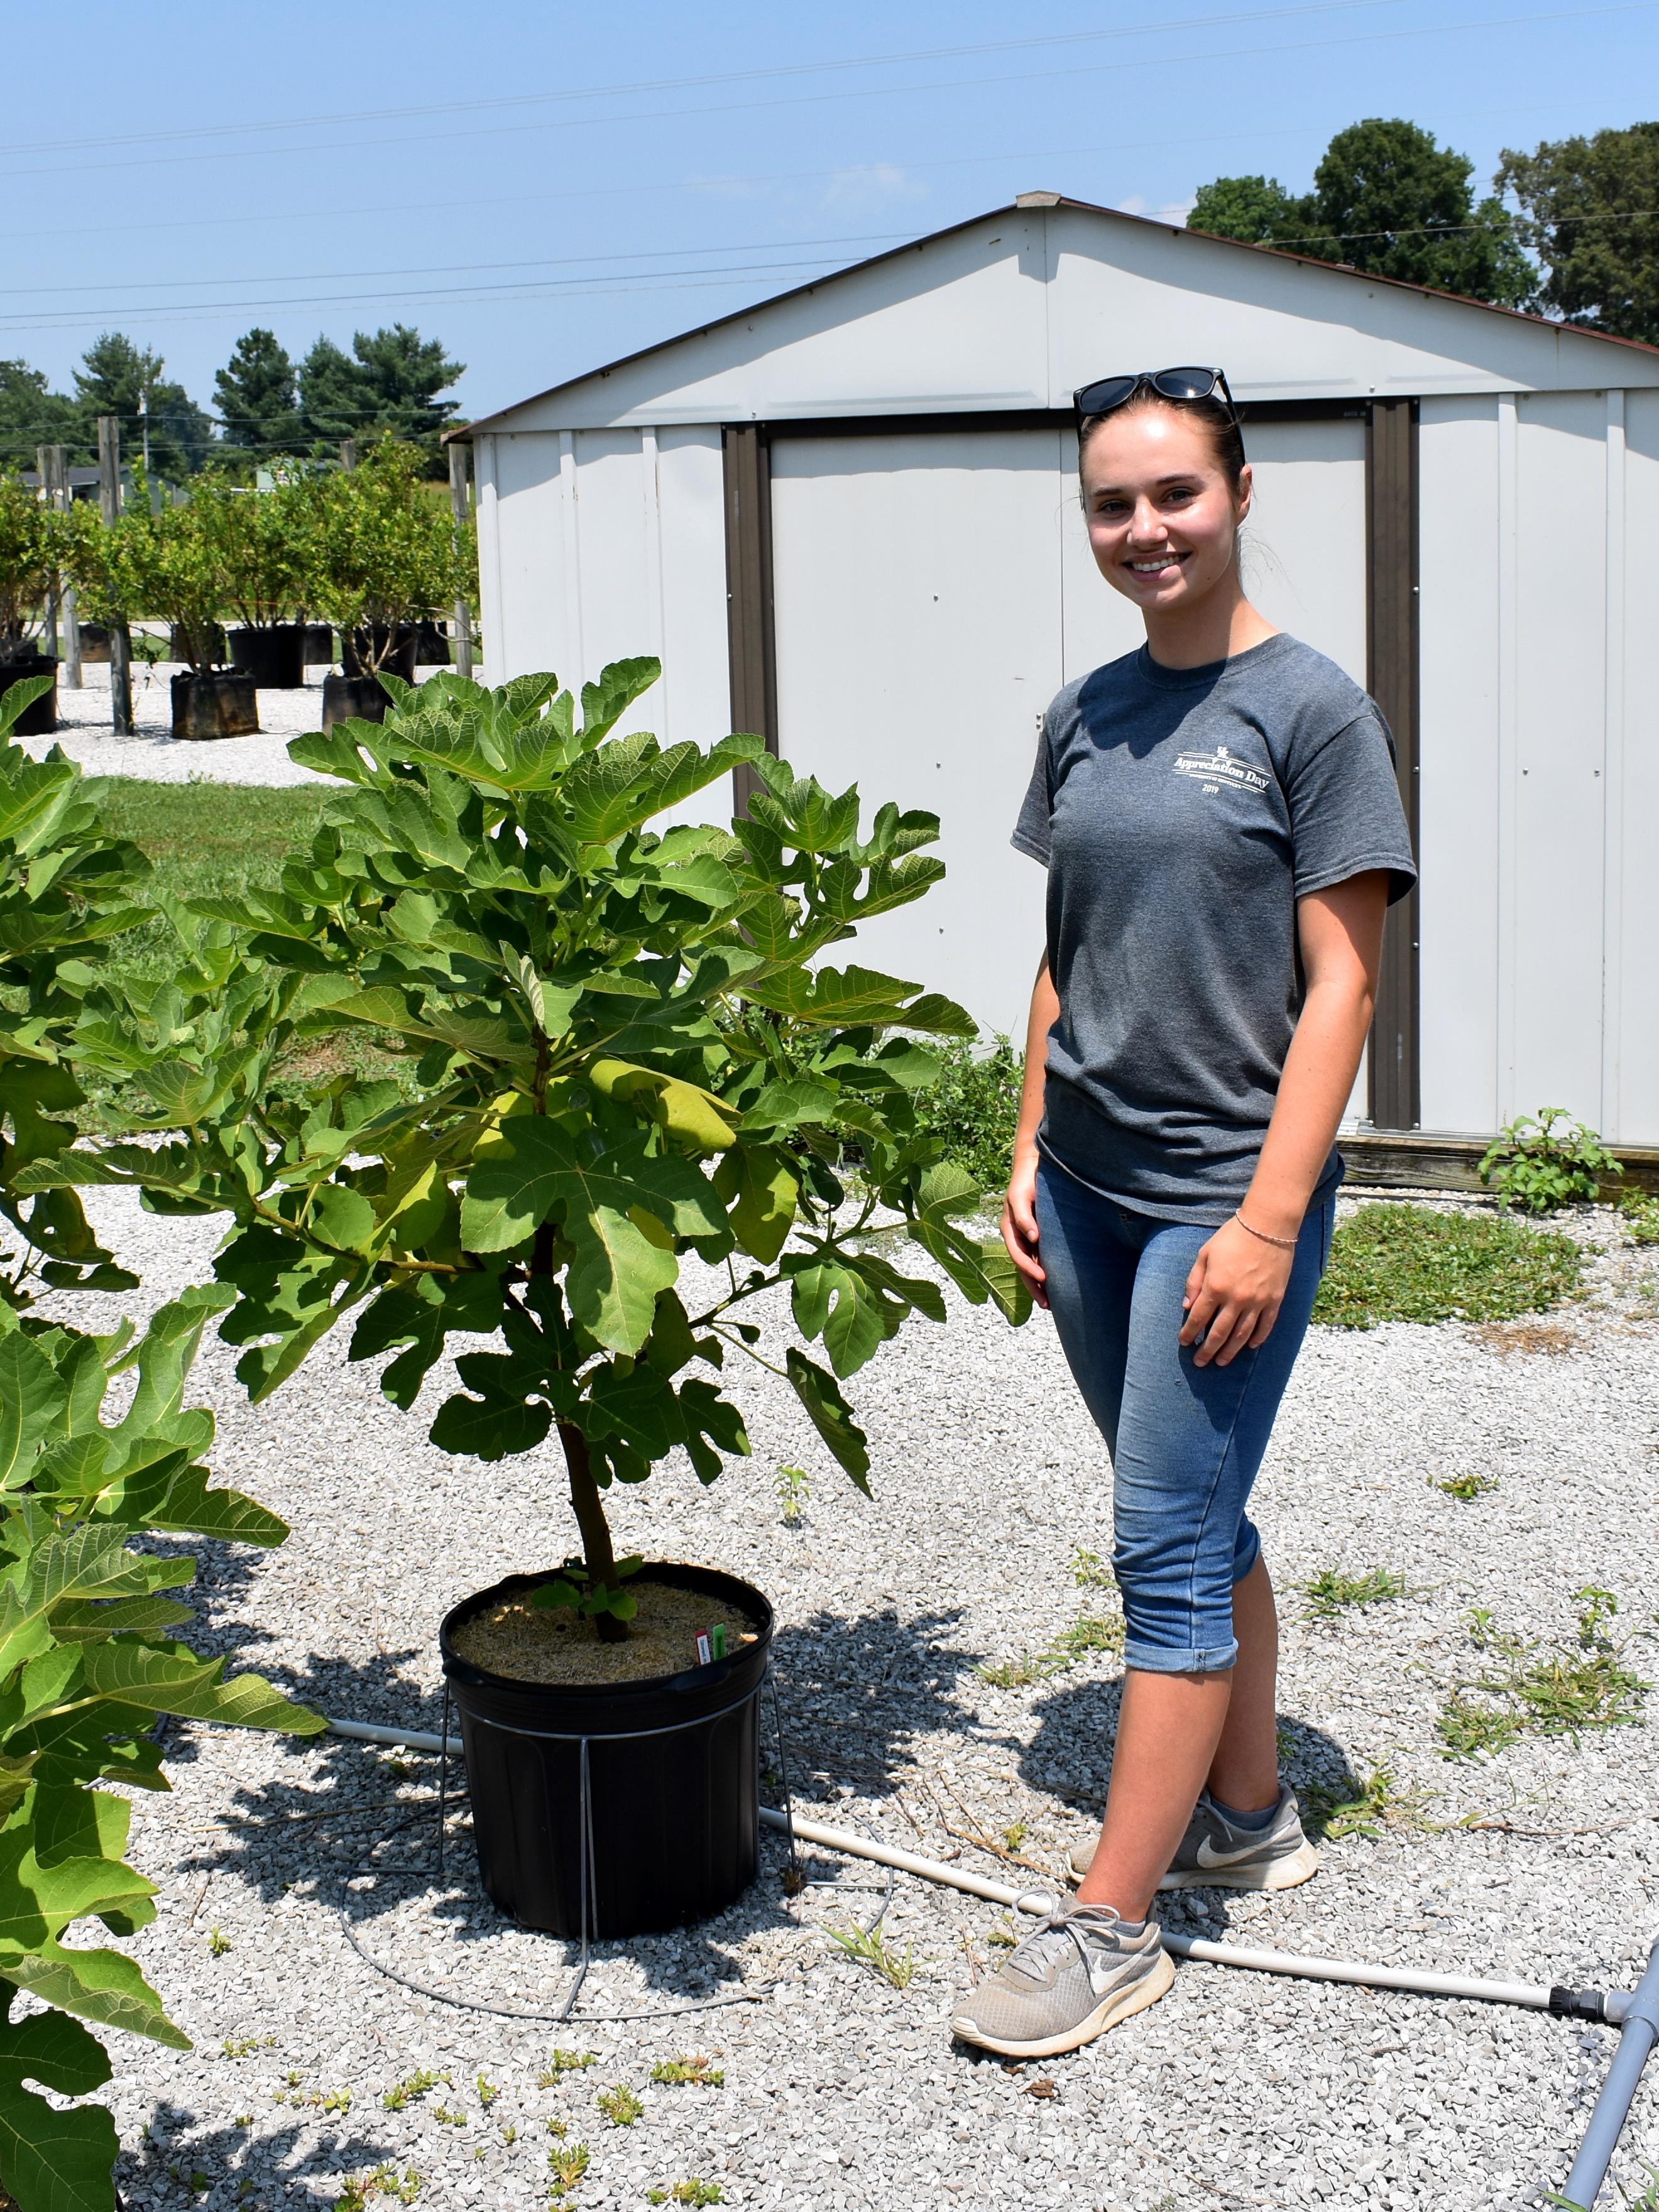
1533 1995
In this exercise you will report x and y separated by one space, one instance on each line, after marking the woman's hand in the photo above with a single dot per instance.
1233 1294
1020 1221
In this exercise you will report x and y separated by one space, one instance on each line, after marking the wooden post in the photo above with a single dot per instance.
54 477
348 453
48 493
459 457
120 645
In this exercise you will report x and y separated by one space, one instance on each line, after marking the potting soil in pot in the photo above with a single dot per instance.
544 1643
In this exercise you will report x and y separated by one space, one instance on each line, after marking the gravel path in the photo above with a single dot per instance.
153 752
840 2090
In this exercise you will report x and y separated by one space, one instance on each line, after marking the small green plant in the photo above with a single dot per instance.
1378 1804
244 2046
1091 1571
1014 1835
510 2132
330 2100
559 2129
792 1490
448 2115
487 2092
691 2073
1412 1263
1331 1590
562 2063
218 1944
1539 1163
383 2181
1534 1689
568 2164
1639 1210
1090 1632
871 1948
694 2191
1464 1486
619 2104
413 2086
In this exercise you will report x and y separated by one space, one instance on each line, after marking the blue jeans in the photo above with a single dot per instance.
1186 1441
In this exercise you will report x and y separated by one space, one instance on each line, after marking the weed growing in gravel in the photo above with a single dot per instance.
1536 1690
1091 1632
562 2063
568 2166
1410 1263
244 2046
691 2073
1380 1804
383 2181
1464 1486
793 1491
871 1948
487 2092
327 2100
414 2085
1330 1590
1542 1163
217 1945
619 2104
1091 1571
449 2116
694 2191
1014 1835
559 2129
1639 1212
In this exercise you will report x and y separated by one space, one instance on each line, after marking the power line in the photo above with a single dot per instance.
357 116
955 84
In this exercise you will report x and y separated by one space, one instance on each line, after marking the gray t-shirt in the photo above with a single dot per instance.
1180 813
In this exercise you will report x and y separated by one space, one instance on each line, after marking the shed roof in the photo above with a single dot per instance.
1014 308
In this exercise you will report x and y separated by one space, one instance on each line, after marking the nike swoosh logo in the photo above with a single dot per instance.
1208 1858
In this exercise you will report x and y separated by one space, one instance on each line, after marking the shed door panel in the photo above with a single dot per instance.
916 591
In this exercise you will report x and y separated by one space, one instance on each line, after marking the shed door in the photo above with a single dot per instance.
915 586
933 590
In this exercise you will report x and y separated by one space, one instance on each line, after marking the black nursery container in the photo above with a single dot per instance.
672 1777
274 657
353 698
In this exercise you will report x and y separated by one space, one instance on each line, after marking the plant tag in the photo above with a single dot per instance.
703 1654
717 1638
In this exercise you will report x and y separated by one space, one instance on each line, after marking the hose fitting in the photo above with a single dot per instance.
1578 2004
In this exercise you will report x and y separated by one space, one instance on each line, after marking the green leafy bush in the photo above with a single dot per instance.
1539 1166
87 1658
381 551
1410 1263
973 1108
34 544
617 1050
1640 1210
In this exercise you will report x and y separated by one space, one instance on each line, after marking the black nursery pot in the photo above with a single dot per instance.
178 645
40 718
672 1769
346 696
273 657
318 647
219 704
355 649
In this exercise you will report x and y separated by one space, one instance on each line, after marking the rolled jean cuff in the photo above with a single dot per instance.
1160 1659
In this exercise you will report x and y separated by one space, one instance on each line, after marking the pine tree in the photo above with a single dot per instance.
336 399
114 374
30 415
387 386
256 395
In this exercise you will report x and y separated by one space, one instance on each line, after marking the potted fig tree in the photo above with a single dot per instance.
633 1102
383 558
164 562
34 548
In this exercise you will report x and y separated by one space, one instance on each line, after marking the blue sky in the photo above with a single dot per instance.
546 187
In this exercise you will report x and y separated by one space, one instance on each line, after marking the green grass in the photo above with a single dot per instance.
1535 1689
204 840
1330 1591
1410 1263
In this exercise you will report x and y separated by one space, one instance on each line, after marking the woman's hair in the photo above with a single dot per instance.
1218 420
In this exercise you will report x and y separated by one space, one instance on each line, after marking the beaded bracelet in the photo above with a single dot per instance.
1284 1243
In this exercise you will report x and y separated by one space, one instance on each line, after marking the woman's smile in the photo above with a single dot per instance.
1154 564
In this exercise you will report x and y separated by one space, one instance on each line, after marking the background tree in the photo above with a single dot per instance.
32 416
1590 212
258 397
1387 198
114 374
386 386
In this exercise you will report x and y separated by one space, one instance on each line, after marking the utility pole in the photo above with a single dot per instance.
459 455
348 453
54 481
48 495
144 421
120 645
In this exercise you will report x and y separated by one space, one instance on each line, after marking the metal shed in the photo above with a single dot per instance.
847 519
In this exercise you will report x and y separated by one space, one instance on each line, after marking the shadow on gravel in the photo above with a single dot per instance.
857 1691
159 2171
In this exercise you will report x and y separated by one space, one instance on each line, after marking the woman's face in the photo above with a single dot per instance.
1163 518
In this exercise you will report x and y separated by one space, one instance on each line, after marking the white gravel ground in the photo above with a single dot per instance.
840 2090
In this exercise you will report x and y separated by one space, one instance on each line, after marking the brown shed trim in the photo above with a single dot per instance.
751 648
1391 597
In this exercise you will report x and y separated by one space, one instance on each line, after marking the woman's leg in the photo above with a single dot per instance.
1190 1441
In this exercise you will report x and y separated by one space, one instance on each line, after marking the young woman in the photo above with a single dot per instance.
1221 828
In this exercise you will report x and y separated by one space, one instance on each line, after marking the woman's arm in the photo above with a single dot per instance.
1019 1207
1238 1281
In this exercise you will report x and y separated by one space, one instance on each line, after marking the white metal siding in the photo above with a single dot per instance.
1633 792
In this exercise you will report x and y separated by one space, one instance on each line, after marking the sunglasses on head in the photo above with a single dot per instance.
1110 392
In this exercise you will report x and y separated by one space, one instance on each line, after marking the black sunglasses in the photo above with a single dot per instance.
1110 392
